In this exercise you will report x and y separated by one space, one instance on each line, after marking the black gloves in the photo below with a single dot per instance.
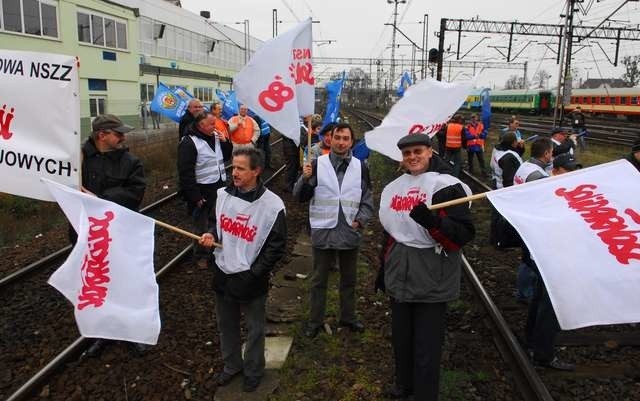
423 216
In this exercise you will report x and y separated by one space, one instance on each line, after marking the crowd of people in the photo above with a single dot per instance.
249 220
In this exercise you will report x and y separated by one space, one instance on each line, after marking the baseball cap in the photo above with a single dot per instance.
559 131
413 140
109 122
566 161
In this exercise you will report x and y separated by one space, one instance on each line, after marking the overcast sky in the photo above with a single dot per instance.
357 27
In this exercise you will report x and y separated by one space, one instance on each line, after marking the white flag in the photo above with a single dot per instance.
424 108
39 122
583 231
109 277
278 83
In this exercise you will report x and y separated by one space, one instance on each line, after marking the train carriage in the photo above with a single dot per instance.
621 102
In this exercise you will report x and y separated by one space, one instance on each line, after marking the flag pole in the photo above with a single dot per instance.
309 141
183 232
458 201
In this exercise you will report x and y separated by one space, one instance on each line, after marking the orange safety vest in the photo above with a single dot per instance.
454 136
475 132
242 135
221 127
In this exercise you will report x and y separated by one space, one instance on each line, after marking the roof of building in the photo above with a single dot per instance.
168 12
593 83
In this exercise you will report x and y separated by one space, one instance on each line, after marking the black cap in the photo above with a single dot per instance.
559 131
413 140
566 161
106 122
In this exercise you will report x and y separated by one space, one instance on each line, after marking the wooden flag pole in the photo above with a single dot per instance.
309 140
458 201
183 232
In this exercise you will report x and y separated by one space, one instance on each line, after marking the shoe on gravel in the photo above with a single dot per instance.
556 364
251 383
223 378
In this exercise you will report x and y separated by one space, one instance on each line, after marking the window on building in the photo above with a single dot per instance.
97 106
101 30
33 17
146 92
97 84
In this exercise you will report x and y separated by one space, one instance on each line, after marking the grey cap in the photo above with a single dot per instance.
106 122
413 140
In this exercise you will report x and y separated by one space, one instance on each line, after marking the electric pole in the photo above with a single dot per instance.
392 72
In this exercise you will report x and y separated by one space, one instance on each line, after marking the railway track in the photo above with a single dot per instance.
609 132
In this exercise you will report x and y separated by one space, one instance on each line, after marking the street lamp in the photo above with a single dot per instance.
247 40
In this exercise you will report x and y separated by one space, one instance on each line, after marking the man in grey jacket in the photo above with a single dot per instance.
339 188
420 268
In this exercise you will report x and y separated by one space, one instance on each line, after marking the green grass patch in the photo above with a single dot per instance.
453 383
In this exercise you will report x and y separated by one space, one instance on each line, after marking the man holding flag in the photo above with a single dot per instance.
418 245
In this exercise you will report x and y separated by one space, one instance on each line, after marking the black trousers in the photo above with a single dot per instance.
263 143
542 324
291 155
417 334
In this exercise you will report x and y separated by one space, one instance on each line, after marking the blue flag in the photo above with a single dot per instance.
229 103
486 108
405 82
171 103
334 90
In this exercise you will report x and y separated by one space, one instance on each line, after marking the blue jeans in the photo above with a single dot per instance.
525 282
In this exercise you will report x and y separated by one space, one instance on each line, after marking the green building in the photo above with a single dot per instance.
126 47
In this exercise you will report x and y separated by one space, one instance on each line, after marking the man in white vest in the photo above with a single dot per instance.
533 169
201 156
421 265
339 188
250 224
542 326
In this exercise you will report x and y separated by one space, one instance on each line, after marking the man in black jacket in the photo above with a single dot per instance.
250 224
201 156
194 107
562 142
110 172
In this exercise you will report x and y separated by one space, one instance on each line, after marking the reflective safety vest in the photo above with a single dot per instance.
243 134
209 167
496 155
475 131
401 195
243 228
525 170
454 136
221 127
329 195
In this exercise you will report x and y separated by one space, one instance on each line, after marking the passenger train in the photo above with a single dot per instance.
619 102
